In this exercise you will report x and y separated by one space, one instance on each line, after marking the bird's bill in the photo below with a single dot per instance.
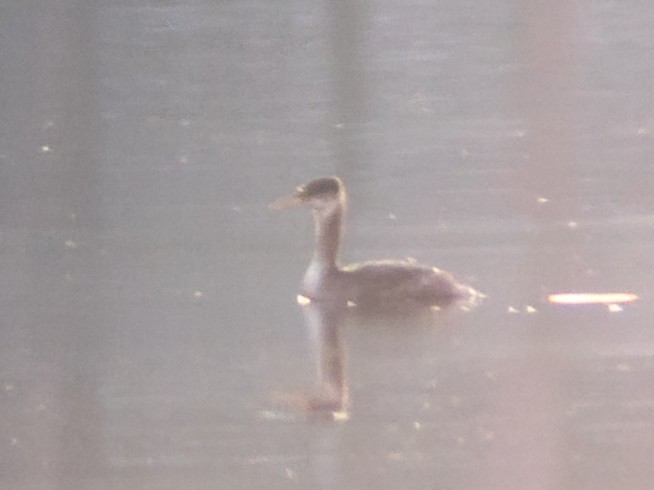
286 202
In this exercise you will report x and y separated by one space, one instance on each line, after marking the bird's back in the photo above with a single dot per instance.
399 283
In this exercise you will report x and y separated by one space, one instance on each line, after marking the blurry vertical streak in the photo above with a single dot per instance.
328 467
546 87
51 216
546 54
530 450
349 88
323 325
323 322
77 80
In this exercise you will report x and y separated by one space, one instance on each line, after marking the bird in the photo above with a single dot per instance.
379 284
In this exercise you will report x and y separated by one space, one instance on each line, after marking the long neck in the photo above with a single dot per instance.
328 231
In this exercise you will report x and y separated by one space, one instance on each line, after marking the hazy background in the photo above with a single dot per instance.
149 325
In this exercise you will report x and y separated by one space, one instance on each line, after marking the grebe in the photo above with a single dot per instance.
375 284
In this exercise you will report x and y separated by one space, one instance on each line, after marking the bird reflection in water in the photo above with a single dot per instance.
323 322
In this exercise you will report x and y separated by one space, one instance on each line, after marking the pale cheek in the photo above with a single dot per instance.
325 206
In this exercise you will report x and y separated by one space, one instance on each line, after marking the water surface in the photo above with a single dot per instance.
150 336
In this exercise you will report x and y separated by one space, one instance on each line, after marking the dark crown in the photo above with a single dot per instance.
322 186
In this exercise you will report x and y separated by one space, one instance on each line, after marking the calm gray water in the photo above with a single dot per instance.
150 335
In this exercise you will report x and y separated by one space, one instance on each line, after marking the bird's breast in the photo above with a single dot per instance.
319 281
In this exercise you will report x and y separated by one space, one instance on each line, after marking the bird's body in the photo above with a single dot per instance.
400 283
374 284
